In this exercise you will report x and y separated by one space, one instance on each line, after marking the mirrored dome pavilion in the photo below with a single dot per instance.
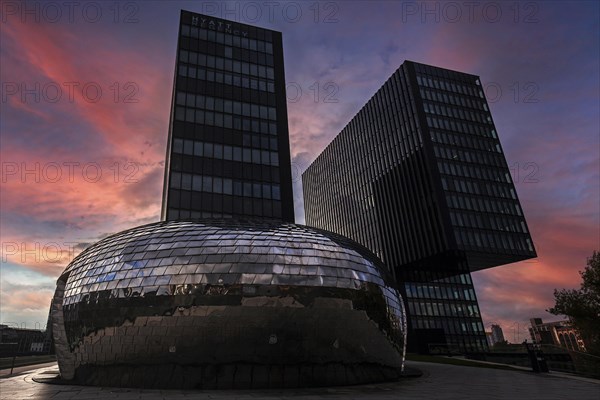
227 304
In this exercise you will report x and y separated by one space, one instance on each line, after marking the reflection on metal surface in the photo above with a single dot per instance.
227 304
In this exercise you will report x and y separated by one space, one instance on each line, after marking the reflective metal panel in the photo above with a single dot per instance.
286 304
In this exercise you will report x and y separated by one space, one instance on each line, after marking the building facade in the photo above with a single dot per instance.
497 334
419 177
558 333
228 148
205 301
21 341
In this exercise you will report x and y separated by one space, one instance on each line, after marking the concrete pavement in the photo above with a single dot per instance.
439 381
25 368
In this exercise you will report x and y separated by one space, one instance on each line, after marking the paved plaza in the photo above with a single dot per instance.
439 381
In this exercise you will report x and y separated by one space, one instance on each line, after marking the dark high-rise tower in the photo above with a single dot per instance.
228 149
419 177
279 296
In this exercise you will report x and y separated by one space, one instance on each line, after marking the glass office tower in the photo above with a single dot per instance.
419 177
228 148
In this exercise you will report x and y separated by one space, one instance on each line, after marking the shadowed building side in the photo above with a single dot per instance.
228 149
429 192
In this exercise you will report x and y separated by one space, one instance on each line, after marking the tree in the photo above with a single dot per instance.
582 306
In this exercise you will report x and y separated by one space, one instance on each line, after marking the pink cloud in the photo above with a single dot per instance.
115 182
25 298
60 57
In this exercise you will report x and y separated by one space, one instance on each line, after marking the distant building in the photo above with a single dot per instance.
558 333
488 336
17 341
497 334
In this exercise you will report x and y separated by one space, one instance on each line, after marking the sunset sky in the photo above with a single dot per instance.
86 94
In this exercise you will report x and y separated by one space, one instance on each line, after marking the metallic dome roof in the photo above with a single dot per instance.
150 259
219 301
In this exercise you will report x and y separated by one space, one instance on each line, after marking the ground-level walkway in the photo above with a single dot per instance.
439 381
